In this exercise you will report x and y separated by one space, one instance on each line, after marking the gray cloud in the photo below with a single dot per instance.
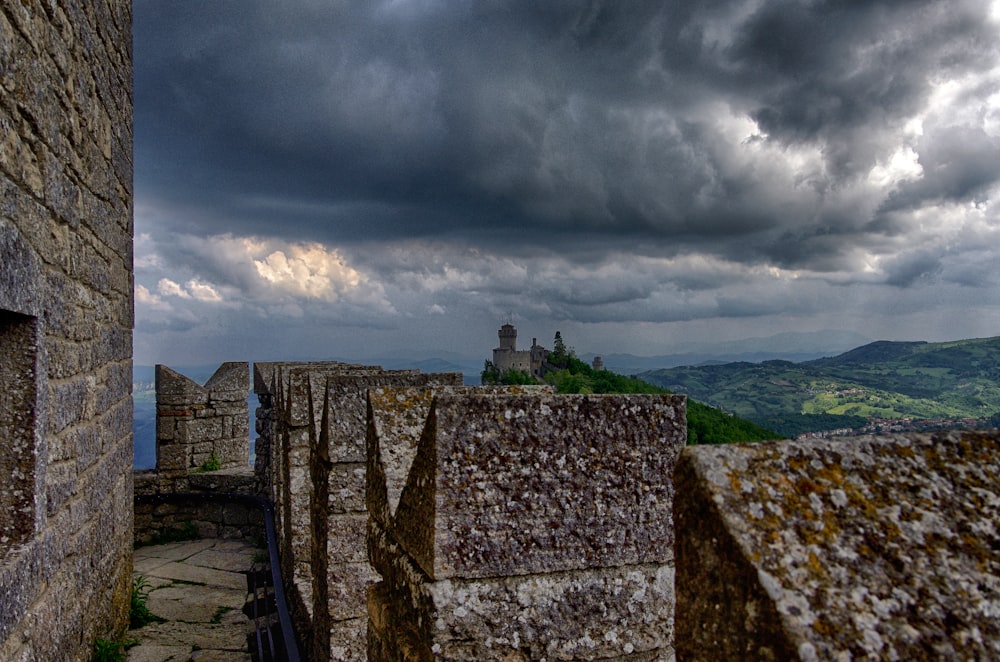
594 161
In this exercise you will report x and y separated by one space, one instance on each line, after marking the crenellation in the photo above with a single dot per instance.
200 425
881 547
510 522
529 524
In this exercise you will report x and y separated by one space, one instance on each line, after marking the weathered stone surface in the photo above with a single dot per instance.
173 388
398 417
231 382
311 459
529 525
874 548
522 484
197 426
347 487
65 326
203 611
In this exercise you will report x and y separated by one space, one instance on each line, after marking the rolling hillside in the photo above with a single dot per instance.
881 380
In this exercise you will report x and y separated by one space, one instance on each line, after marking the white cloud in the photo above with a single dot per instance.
203 291
307 270
146 298
901 166
169 288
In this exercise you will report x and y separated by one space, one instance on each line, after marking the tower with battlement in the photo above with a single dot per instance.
507 357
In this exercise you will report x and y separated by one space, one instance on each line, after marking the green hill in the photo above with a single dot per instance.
568 374
882 380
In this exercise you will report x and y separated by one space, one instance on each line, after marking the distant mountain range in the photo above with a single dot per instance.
942 382
791 346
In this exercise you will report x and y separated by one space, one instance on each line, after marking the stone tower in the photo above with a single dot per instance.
507 357
508 337
66 307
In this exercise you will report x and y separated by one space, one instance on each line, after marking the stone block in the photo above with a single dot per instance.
348 640
198 430
347 488
347 395
173 457
528 524
173 388
230 378
519 484
348 584
346 538
872 548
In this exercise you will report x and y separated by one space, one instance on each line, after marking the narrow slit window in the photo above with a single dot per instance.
18 403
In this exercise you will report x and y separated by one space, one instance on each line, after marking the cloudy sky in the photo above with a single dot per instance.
318 178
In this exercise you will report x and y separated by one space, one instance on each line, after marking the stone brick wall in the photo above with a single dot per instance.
65 325
165 504
523 527
198 426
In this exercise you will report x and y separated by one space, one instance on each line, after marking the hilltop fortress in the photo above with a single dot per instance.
416 518
529 361
508 357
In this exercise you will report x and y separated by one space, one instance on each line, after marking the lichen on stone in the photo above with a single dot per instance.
871 547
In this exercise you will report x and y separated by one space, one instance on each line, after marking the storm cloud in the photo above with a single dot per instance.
767 166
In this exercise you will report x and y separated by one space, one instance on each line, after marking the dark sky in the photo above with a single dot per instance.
323 178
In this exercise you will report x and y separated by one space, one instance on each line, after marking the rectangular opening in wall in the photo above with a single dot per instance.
18 403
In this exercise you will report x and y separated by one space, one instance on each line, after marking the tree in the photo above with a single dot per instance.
490 373
516 377
558 355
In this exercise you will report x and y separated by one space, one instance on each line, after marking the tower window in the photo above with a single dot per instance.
18 404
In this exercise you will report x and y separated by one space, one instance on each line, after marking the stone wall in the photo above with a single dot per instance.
419 519
202 450
202 426
168 503
65 326
311 454
871 548
521 526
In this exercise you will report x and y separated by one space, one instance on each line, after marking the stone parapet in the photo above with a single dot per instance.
198 503
202 426
311 455
527 525
870 548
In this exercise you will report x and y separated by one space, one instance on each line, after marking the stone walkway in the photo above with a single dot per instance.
199 587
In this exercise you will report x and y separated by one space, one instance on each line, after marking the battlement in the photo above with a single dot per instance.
422 518
880 547
522 514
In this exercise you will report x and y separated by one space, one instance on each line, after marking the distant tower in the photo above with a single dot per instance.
508 337
598 363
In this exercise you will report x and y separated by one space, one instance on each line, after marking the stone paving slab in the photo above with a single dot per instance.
220 560
176 551
200 589
191 603
195 574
